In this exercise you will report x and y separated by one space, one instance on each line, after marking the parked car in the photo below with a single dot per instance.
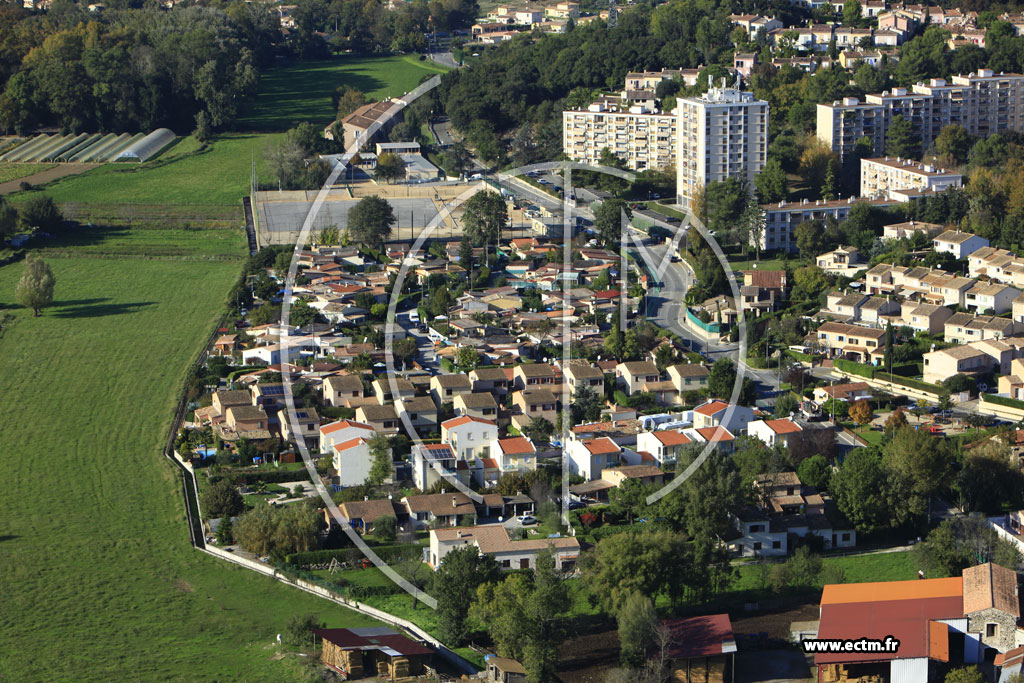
526 520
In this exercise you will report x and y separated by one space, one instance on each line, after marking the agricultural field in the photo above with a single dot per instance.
96 571
185 173
9 172
302 92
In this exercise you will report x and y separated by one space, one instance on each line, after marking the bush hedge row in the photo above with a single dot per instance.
1003 401
388 553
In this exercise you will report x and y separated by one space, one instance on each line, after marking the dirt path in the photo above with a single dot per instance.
55 173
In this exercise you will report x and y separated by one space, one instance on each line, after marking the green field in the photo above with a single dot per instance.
98 579
9 172
184 174
302 92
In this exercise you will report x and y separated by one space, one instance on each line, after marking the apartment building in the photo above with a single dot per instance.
983 103
721 134
782 218
638 134
879 176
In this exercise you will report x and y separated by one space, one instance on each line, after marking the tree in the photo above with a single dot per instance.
380 456
349 99
405 349
965 674
859 487
638 621
221 499
301 314
524 614
918 465
808 236
370 222
585 406
623 564
785 405
484 216
466 359
752 224
390 167
900 140
896 420
458 158
35 288
385 528
299 630
815 162
225 531
8 220
815 471
722 378
962 542
809 282
953 142
40 212
861 412
608 222
277 530
628 499
454 584
539 429
771 182
851 12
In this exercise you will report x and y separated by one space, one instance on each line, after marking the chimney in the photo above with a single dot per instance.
454 502
366 498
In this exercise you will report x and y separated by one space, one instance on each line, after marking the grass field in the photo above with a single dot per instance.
184 174
97 576
302 91
9 172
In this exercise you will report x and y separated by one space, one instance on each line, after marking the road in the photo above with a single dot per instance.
667 308
445 59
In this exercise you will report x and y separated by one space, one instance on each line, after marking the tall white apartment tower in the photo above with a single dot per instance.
721 134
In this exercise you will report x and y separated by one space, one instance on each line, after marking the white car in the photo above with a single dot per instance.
526 520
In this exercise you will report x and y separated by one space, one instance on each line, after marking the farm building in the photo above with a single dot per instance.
372 651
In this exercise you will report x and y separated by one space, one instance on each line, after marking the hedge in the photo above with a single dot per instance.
853 368
1003 401
871 372
918 384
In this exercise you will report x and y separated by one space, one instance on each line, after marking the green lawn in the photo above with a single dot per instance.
302 91
98 579
184 174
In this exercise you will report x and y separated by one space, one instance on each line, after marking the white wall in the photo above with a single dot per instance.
353 465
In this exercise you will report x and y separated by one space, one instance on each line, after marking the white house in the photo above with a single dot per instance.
774 432
494 541
959 244
990 297
588 457
431 462
352 461
344 430
715 413
470 437
664 446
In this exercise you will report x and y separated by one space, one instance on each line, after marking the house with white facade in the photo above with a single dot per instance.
663 445
470 437
959 244
716 413
589 457
343 430
774 432
496 542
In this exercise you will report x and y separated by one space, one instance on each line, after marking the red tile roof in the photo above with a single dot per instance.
351 443
344 424
715 434
601 445
712 408
672 438
516 445
783 426
465 419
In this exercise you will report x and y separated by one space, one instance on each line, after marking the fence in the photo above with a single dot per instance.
712 328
